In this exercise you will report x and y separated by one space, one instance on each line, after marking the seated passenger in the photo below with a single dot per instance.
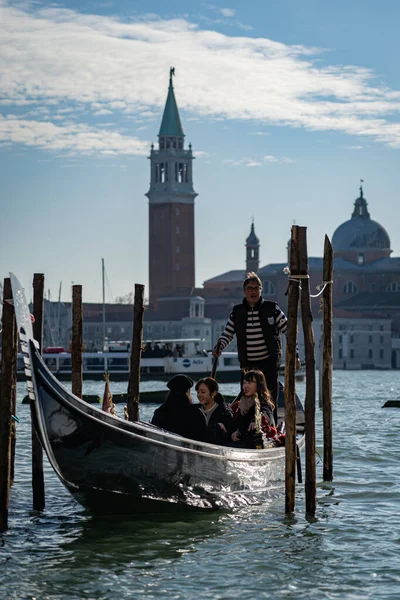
178 414
217 414
243 430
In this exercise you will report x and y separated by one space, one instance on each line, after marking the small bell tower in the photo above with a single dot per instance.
252 251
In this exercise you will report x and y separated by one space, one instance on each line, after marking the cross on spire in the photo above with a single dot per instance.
171 122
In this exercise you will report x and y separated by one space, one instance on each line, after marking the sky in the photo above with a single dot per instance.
288 105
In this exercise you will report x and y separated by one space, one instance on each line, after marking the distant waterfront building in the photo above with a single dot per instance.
58 324
358 342
366 291
171 208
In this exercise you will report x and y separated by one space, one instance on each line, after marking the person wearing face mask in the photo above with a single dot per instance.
243 432
178 414
217 414
258 325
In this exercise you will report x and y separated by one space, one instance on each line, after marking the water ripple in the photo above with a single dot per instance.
350 550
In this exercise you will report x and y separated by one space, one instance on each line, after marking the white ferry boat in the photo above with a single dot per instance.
95 364
162 368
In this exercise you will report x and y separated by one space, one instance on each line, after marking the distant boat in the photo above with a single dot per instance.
115 466
95 364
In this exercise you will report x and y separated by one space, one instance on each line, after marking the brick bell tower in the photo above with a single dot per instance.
171 208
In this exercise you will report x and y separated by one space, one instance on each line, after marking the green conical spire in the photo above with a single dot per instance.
171 123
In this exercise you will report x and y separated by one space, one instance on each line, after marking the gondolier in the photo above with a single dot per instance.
258 325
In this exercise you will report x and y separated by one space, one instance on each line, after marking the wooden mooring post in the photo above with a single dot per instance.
327 364
136 352
320 368
309 405
37 451
290 373
9 355
77 341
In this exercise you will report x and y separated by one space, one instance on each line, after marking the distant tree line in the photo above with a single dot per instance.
128 299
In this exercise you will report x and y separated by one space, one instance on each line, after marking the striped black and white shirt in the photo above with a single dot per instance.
256 348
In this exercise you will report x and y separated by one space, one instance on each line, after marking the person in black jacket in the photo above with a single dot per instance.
178 414
218 415
258 325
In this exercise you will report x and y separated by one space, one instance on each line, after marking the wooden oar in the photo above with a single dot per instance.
214 367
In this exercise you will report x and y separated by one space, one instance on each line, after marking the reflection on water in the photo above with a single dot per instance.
119 542
349 550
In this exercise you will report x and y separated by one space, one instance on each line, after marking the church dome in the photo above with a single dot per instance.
360 232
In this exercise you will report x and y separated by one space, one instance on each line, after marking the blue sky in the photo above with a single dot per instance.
287 104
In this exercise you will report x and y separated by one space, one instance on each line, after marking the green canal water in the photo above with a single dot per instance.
350 550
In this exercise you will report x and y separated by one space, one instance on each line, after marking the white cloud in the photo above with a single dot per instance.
243 162
275 159
102 111
57 58
227 20
202 154
255 162
73 138
227 12
243 26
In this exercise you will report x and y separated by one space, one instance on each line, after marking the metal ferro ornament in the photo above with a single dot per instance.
257 420
257 414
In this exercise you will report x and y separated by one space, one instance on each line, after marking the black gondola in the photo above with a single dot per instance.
112 465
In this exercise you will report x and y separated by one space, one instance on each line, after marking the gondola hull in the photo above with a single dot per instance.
106 462
111 465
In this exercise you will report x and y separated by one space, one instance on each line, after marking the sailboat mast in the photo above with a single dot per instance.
59 316
104 303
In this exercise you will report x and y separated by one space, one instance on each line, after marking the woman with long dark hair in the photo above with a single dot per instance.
218 415
178 413
244 428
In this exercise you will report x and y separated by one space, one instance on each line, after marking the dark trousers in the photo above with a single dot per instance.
271 374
